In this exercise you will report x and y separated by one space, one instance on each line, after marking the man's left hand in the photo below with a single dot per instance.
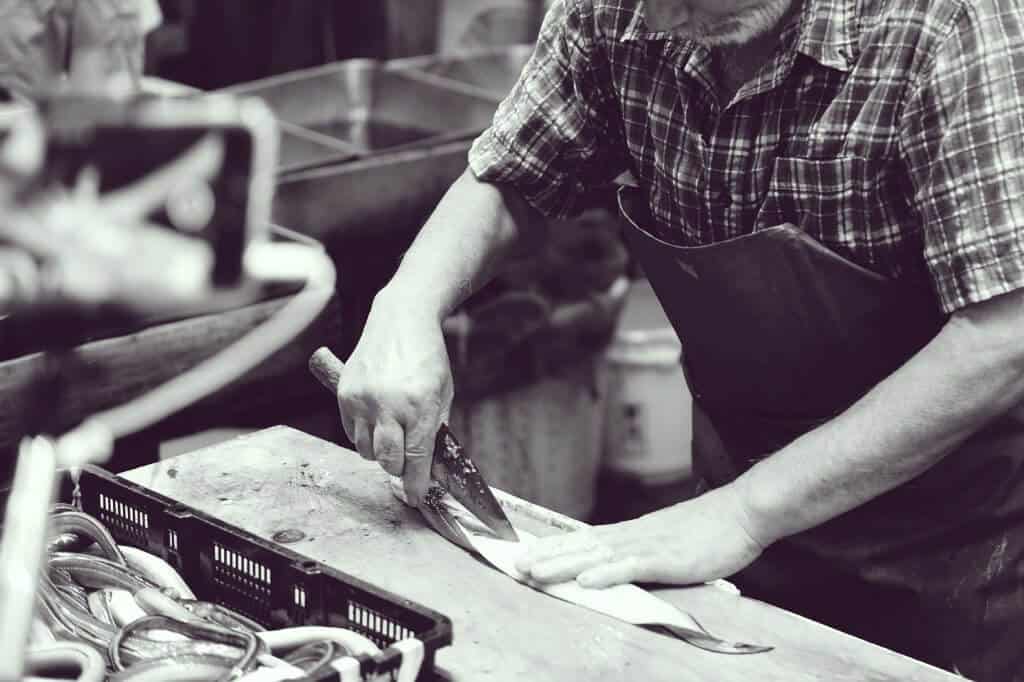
702 539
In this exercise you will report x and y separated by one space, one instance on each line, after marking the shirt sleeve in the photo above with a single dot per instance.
557 135
963 142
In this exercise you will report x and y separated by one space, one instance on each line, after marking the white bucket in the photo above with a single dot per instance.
648 420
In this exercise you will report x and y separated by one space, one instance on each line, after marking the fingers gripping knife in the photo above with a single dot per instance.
451 470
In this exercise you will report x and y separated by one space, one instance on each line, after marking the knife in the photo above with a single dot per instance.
451 467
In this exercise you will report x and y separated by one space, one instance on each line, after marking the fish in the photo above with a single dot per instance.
156 570
183 667
222 615
83 525
313 657
96 572
250 645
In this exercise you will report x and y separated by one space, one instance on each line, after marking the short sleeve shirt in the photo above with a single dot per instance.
891 131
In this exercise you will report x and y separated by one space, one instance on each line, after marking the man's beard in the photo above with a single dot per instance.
735 29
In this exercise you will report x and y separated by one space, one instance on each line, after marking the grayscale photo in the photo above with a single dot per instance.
511 340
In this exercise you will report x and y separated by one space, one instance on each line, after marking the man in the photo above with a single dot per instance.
829 206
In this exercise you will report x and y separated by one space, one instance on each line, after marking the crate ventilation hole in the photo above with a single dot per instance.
376 623
240 564
126 512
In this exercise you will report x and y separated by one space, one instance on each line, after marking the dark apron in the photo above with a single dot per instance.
780 335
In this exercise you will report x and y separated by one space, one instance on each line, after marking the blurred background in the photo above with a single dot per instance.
215 43
568 386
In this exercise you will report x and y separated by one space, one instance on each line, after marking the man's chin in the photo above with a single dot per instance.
732 32
662 17
727 33
744 27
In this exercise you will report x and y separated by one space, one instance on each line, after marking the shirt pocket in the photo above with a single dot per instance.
851 204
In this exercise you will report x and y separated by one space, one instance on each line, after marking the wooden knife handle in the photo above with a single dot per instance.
326 367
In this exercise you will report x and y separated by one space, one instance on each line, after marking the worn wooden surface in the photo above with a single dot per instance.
49 392
280 479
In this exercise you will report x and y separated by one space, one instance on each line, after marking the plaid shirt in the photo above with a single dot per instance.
892 131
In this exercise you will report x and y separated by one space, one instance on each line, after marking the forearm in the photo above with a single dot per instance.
475 228
971 372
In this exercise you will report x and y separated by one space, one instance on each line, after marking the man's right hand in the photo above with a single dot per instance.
396 390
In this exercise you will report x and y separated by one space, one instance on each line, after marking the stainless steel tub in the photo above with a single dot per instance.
491 71
395 183
372 107
384 194
301 149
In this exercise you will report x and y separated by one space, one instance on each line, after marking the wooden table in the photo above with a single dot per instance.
281 478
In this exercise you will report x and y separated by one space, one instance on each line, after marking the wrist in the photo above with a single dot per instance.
756 513
408 301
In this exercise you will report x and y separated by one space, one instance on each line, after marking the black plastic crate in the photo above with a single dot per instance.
267 582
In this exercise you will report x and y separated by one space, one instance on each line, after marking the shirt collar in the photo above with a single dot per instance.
636 29
828 32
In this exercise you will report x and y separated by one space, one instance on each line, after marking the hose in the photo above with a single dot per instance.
90 665
92 440
287 639
41 634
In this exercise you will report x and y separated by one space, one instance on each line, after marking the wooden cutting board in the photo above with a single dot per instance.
282 479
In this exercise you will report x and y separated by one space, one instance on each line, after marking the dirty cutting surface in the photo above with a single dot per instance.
334 507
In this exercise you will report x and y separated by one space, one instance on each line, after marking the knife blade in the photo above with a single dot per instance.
457 473
451 467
